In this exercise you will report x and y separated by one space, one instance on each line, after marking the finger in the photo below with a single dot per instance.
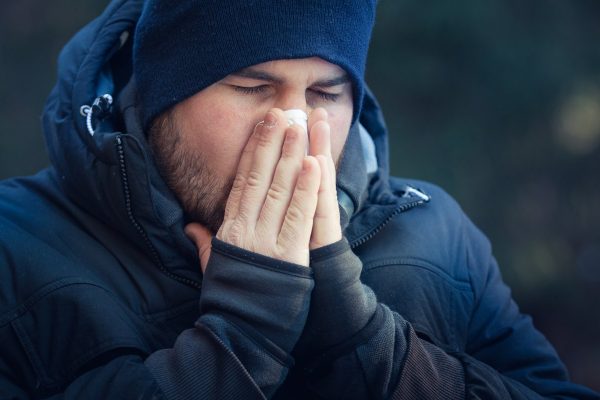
202 238
294 237
320 139
281 190
318 114
320 143
326 223
261 130
267 151
232 206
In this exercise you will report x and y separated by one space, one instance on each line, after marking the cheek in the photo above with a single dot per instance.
340 126
219 133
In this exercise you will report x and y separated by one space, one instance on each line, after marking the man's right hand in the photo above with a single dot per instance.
272 203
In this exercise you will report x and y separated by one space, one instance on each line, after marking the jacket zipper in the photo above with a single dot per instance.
153 252
400 209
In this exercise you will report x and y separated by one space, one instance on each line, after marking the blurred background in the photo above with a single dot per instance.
498 102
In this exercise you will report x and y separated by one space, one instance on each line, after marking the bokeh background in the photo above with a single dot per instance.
497 101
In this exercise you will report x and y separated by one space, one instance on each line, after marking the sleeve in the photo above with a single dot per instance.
355 348
253 309
252 312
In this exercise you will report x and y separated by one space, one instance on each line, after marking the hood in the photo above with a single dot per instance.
104 163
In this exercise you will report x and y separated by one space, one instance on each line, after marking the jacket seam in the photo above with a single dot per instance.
173 312
22 308
217 339
248 336
418 263
28 348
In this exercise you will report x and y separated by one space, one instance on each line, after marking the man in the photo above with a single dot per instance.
317 275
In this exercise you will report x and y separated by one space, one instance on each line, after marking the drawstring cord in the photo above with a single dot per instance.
99 109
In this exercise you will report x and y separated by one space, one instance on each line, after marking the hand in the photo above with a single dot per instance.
326 224
326 221
273 199
202 238
272 203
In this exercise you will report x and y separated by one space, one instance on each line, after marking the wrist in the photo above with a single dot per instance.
269 295
341 306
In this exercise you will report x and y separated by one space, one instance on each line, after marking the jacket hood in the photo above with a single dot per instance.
104 163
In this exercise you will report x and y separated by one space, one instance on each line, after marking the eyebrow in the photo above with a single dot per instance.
256 74
265 76
340 80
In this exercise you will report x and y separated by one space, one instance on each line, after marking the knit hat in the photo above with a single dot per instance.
184 46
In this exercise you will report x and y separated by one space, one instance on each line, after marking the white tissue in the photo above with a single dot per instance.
298 117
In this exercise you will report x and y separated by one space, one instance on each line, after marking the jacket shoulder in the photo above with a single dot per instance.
38 236
437 233
426 263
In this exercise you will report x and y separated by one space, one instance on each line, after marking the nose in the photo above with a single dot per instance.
293 99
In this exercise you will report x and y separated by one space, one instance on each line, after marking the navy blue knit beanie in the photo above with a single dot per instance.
184 46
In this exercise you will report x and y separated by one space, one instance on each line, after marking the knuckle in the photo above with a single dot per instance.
288 149
238 183
248 149
228 212
289 250
234 234
302 185
308 185
282 253
277 192
295 213
253 179
263 227
324 190
286 238
264 137
321 216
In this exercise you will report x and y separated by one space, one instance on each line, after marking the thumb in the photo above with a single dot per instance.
202 239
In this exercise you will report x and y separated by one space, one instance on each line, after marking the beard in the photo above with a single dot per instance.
200 190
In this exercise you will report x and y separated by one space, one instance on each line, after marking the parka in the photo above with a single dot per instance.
101 294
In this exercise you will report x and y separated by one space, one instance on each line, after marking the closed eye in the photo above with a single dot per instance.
326 95
250 89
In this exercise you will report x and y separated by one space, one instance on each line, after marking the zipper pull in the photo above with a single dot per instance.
100 109
410 191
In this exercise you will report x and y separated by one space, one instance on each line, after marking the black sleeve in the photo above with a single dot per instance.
356 348
253 309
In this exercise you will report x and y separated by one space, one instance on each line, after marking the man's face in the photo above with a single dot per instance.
198 143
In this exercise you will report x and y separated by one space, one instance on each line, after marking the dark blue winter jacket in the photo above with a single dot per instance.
101 294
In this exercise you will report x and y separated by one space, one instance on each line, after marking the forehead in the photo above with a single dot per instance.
313 66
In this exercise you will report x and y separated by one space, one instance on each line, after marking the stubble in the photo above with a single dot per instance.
201 192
